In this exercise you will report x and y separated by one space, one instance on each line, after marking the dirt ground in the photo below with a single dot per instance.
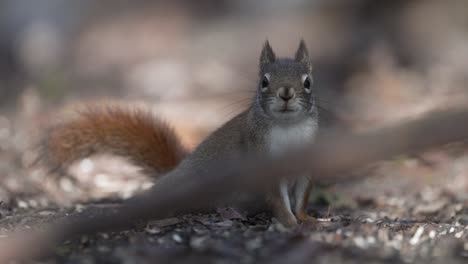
410 209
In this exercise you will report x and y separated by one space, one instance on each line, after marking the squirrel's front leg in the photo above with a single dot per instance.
301 196
281 205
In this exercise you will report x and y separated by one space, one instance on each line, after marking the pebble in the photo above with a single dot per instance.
153 230
459 234
254 244
417 236
22 204
46 213
103 249
198 242
177 238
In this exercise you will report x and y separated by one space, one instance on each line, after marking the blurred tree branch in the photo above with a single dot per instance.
330 160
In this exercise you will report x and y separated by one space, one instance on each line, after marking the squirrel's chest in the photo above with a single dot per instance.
281 137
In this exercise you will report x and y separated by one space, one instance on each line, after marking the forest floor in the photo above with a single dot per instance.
411 209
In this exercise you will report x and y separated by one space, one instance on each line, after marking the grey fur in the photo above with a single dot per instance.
267 55
249 131
302 55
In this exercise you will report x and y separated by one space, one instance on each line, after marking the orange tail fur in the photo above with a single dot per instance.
131 133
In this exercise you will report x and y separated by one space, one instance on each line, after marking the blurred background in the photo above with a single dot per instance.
195 64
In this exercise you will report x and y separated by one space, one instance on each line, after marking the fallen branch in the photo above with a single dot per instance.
330 160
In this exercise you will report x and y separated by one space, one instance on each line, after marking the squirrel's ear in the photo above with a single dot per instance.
267 56
302 55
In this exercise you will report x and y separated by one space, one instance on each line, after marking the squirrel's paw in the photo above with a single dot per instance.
287 221
305 218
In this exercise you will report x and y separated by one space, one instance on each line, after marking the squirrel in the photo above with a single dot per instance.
283 114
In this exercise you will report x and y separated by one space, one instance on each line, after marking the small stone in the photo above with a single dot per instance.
229 213
104 235
153 230
46 213
417 236
360 242
198 242
177 238
22 204
33 203
84 239
200 230
371 240
430 208
227 223
103 249
79 208
254 244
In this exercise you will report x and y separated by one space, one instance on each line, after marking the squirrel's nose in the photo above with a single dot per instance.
286 94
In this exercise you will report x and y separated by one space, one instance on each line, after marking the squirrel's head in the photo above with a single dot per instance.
285 90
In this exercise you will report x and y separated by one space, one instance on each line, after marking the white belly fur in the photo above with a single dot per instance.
284 137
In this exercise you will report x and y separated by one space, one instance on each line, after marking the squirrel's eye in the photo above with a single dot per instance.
307 82
265 82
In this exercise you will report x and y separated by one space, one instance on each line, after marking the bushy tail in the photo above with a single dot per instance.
132 133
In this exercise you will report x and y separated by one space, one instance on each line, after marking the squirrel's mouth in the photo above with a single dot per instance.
287 108
284 110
